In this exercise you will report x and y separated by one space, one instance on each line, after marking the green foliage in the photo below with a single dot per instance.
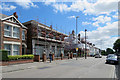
3 55
117 45
109 51
103 52
17 57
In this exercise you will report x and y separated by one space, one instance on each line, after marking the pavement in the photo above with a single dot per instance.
72 68
117 68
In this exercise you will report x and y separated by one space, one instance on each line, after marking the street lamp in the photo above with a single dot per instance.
85 45
76 34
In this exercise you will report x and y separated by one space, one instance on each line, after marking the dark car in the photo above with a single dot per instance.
92 55
98 56
112 58
118 56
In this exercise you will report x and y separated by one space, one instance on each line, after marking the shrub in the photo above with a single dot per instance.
28 56
3 55
17 57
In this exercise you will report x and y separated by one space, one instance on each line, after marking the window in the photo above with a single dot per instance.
23 35
7 30
39 32
8 48
15 49
16 32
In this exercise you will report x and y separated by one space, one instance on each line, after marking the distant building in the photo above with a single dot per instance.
42 38
71 45
12 35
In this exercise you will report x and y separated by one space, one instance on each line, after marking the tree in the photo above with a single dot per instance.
109 51
116 46
103 52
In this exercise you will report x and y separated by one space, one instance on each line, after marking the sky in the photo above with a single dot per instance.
99 17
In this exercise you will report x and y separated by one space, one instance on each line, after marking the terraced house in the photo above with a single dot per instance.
12 35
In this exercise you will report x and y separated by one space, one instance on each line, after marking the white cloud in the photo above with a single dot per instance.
115 16
7 7
60 7
49 2
95 24
71 17
86 23
101 19
107 35
25 3
99 7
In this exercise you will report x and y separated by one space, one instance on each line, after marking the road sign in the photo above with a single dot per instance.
76 49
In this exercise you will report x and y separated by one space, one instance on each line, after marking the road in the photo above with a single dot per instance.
81 68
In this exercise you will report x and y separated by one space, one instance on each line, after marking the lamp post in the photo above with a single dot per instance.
76 34
85 45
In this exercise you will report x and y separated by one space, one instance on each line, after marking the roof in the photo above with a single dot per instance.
4 17
43 25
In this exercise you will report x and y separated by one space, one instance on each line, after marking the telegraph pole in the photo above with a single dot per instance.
85 45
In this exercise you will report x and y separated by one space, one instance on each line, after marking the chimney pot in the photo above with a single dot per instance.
15 14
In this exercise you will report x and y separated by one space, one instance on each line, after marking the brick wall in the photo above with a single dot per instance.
12 39
29 38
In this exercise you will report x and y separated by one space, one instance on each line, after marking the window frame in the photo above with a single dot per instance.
12 31
14 50
23 38
8 30
16 32
10 50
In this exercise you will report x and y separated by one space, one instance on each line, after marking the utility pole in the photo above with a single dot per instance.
76 35
85 45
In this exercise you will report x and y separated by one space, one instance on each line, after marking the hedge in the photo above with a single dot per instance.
18 57
3 55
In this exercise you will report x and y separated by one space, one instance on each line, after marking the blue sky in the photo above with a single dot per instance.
47 15
99 18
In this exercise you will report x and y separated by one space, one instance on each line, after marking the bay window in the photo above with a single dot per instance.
11 31
16 32
8 48
15 49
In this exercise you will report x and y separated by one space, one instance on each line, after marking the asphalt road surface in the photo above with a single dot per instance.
81 68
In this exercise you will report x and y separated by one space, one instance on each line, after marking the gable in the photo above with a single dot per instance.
13 19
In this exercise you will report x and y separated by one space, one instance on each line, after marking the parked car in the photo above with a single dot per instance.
98 56
74 54
118 56
112 58
92 55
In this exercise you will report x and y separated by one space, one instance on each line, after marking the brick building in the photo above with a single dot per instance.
12 34
42 38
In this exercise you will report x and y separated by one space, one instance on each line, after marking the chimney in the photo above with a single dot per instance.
51 26
73 32
15 14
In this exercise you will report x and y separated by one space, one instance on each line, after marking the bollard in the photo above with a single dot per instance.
53 58
71 55
37 58
68 55
61 56
44 57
